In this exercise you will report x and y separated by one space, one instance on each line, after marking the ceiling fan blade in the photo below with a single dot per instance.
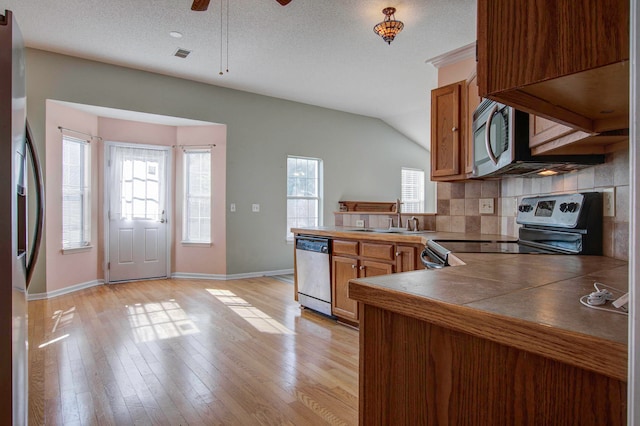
200 5
284 2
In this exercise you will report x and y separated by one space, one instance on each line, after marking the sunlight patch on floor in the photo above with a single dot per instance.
161 320
57 339
61 318
254 316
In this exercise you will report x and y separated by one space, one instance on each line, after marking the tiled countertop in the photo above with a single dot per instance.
527 301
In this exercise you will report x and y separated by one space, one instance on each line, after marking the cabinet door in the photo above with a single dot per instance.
562 59
542 130
473 100
344 269
447 132
406 258
369 268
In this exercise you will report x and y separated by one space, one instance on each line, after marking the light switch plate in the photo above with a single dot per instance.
360 223
255 208
486 206
233 207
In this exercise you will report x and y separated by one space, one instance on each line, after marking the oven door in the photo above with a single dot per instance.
492 136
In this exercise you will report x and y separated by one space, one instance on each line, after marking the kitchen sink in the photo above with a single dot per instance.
388 231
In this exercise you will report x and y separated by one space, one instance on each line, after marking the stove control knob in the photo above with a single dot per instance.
524 208
563 207
572 207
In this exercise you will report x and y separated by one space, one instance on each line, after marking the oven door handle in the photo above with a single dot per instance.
487 135
426 260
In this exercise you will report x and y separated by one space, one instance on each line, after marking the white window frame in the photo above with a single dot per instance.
318 197
406 187
187 196
82 190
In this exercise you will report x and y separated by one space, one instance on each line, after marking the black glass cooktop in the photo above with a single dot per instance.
457 246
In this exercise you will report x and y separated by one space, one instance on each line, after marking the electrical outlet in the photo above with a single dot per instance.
486 206
233 207
608 202
255 208
360 223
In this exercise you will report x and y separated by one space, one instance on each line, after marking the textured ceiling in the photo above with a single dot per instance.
320 52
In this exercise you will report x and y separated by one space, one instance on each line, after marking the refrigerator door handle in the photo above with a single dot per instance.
39 226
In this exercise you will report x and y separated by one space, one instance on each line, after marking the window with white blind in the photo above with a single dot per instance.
197 197
304 193
76 196
412 190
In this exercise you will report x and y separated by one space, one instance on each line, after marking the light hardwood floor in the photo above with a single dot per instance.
189 352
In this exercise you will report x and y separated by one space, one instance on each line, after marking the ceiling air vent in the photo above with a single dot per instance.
182 53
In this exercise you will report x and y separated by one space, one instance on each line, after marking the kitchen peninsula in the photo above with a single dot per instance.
500 340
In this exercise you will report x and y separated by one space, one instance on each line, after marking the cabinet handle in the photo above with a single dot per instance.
353 266
454 129
362 268
398 254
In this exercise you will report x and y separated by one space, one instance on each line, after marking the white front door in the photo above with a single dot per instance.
136 191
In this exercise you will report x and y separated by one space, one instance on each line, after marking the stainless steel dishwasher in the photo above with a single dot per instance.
313 272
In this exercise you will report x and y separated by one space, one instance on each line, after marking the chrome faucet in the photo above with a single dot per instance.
398 204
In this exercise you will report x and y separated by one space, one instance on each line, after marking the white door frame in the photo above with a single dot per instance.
633 402
106 199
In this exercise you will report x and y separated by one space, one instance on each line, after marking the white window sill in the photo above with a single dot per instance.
195 244
76 249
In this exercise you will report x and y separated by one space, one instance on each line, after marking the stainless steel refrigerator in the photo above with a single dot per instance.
17 253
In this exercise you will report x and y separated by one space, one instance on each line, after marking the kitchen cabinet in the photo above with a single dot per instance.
406 258
550 138
473 100
419 372
564 60
360 259
343 269
448 138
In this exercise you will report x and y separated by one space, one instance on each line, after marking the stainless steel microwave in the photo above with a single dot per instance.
501 145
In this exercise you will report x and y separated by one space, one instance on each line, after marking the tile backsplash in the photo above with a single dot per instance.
458 202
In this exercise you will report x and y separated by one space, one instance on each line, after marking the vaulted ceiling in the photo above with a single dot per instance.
320 52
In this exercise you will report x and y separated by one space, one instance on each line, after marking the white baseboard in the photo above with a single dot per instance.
183 275
66 290
193 276
188 275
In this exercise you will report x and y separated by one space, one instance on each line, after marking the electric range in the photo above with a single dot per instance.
551 224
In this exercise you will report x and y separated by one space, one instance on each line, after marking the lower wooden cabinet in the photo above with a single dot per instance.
359 259
343 269
406 258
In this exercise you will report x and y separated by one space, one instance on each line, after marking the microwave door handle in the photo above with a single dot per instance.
487 134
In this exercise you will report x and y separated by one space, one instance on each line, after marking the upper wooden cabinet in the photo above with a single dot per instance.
550 138
448 142
565 60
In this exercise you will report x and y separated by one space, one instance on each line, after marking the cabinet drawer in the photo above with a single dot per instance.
377 251
345 247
